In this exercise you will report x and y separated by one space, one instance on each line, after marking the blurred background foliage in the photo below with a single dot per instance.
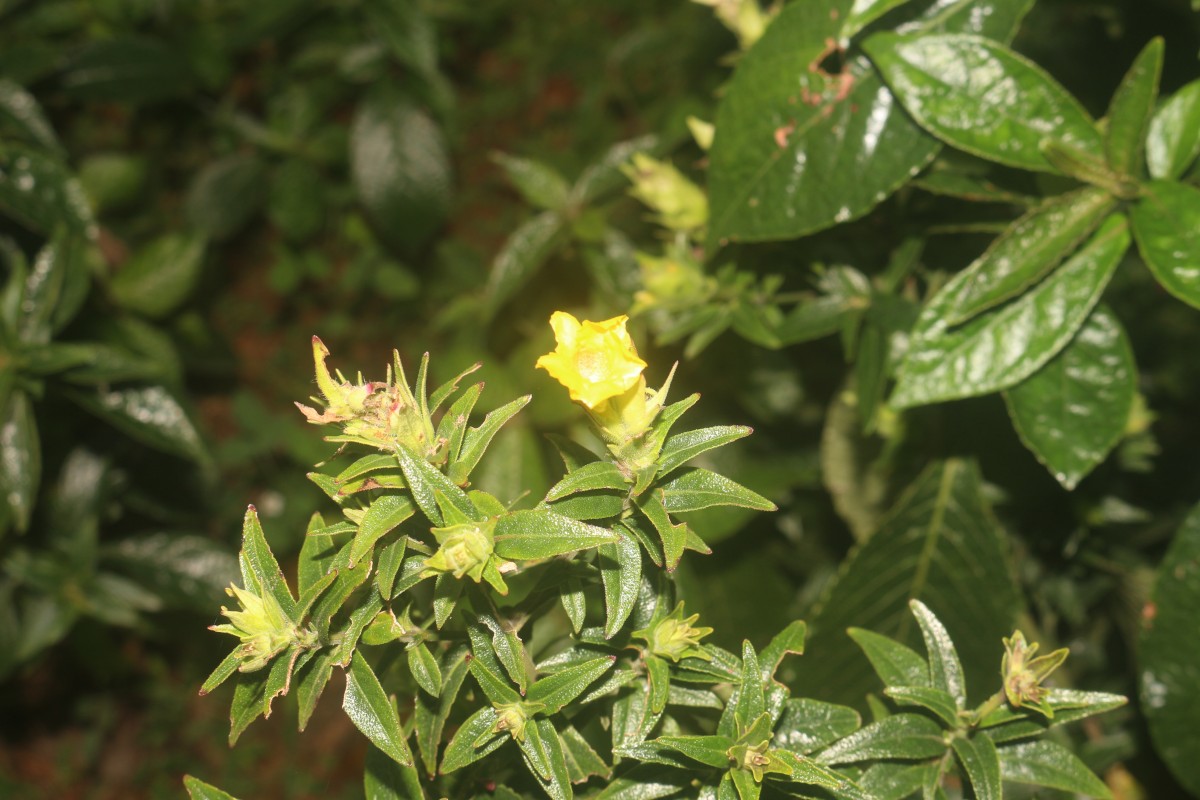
190 190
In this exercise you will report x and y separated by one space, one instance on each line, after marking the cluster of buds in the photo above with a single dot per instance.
513 717
265 630
675 638
378 414
1023 674
466 550
680 204
752 750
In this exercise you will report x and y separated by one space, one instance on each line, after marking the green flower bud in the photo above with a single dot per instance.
1023 674
681 204
465 549
674 637
262 626
512 717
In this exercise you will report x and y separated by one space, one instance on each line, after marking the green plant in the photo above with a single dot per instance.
462 583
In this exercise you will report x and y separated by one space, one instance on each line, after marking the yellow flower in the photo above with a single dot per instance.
596 361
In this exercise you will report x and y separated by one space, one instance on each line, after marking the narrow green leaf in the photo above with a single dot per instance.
898 781
390 560
424 669
589 477
20 459
751 703
38 191
1069 705
673 537
461 749
900 736
226 668
383 516
477 439
939 701
509 650
805 770
525 251
790 640
1173 141
497 689
743 781
199 790
1166 223
21 113
620 564
384 779
582 761
425 483
1168 655
1130 110
431 713
539 183
1027 251
257 556
894 663
537 533
710 750
982 764
543 754
658 677
979 96
1045 763
574 603
683 447
808 725
1000 349
247 704
696 488
347 638
373 713
453 426
1074 410
864 12
945 670
311 680
559 689
446 591
159 277
585 506
940 544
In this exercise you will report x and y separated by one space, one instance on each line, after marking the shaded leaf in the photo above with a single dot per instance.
900 736
160 276
1166 223
1130 110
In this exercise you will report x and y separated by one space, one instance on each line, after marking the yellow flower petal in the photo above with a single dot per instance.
593 360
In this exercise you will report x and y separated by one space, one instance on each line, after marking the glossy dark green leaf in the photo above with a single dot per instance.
424 669
539 183
589 477
945 669
1168 656
977 95
427 484
1173 140
803 152
508 648
20 458
808 725
981 763
1049 764
939 544
1074 410
260 570
591 505
20 113
582 760
897 780
373 713
900 736
1001 348
247 703
225 195
223 671
789 641
160 276
938 701
672 536
384 779
39 192
710 750
199 790
1006 724
1130 110
537 533
129 69
697 488
400 166
864 12
620 564
751 702
1027 251
1166 223
55 288
311 680
894 663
